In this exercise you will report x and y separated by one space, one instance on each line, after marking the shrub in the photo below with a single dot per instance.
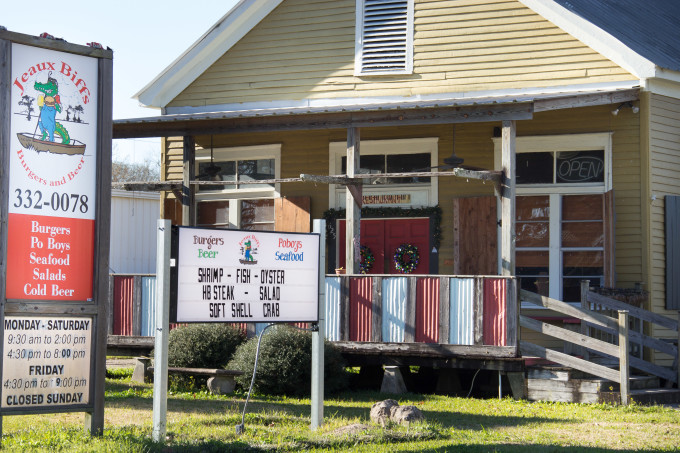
201 346
285 363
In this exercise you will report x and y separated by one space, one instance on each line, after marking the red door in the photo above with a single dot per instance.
411 232
383 237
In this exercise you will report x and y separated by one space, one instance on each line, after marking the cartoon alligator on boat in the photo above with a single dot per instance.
50 103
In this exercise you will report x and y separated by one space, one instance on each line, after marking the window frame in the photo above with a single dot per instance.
430 191
359 43
555 191
234 197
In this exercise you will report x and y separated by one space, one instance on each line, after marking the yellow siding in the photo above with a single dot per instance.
307 152
664 149
304 49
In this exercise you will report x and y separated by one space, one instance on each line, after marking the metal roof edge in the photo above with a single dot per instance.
482 98
460 98
233 26
594 37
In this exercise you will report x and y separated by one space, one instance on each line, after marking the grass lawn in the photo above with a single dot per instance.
200 422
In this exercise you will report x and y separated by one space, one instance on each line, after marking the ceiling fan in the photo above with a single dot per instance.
211 171
450 162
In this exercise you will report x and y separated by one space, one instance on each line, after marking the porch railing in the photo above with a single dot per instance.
471 311
453 310
618 328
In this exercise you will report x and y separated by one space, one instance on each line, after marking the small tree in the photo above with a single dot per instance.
122 171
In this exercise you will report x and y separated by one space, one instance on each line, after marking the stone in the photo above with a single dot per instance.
393 381
405 415
220 385
380 411
141 370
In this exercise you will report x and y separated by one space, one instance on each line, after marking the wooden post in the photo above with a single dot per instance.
585 330
624 371
353 217
508 199
5 113
444 309
188 190
410 310
94 421
376 308
677 361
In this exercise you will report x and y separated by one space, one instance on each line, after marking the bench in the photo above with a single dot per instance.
220 381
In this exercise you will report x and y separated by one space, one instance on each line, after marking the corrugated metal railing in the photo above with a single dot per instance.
457 310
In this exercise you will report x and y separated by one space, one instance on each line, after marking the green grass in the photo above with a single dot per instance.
200 422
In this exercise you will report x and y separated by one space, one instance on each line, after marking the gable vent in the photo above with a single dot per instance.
385 37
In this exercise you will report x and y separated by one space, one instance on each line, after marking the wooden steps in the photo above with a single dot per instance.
560 384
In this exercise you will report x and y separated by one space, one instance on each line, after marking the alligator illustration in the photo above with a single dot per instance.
49 105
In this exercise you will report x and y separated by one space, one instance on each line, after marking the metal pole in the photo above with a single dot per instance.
318 336
624 371
160 378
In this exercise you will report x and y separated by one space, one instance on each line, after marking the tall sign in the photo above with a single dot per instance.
55 101
245 276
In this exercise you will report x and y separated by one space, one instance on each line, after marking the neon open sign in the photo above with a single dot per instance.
585 166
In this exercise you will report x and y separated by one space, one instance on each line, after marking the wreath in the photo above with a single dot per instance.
367 260
406 258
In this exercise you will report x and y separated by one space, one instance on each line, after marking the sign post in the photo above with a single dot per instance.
55 202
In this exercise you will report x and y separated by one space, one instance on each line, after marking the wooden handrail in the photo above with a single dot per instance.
640 313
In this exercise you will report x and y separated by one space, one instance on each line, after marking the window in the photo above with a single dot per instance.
561 227
389 156
393 163
235 204
384 37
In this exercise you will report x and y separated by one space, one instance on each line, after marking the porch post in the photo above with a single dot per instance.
353 209
188 190
508 199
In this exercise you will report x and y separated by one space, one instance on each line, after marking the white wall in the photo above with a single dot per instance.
133 232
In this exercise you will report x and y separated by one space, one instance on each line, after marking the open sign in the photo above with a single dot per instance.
585 166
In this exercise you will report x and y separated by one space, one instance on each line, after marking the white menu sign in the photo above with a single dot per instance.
247 276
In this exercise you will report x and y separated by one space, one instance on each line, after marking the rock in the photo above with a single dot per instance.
405 415
380 411
141 371
220 385
393 381
352 430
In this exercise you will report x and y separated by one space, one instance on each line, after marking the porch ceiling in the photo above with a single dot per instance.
359 116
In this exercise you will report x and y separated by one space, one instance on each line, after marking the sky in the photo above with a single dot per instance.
145 36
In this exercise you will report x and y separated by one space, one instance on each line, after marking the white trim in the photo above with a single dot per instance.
358 42
458 98
337 150
271 151
555 265
594 37
205 51
662 87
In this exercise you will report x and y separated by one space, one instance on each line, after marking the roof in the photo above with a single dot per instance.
650 28
644 40
421 111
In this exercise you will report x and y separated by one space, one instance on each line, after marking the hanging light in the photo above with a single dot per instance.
453 160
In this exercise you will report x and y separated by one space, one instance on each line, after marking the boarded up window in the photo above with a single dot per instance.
475 236
672 252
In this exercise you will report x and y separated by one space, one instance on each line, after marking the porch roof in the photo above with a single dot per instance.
459 108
